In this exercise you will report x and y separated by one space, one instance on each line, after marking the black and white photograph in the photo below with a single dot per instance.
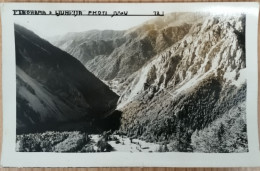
122 81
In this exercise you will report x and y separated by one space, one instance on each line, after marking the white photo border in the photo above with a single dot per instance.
11 158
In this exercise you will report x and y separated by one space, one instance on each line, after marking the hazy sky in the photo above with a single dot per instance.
49 26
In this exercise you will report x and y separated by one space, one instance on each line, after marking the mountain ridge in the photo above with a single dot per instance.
57 82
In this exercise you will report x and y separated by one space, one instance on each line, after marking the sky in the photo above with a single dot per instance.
50 26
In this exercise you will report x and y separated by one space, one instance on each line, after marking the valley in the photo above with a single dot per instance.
173 84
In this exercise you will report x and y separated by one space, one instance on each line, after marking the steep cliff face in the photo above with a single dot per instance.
214 47
54 87
189 85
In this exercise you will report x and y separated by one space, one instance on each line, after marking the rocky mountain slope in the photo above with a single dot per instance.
53 87
186 88
114 55
181 80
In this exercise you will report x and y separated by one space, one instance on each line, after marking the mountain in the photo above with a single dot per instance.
181 80
187 94
114 55
85 46
54 88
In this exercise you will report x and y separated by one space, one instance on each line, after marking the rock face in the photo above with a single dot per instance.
186 88
53 87
181 80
